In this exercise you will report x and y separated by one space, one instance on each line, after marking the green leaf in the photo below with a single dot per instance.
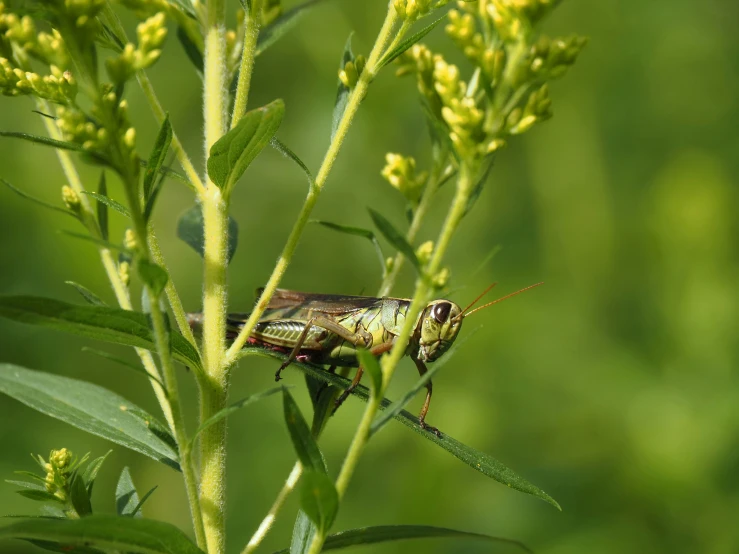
46 141
303 533
103 207
396 407
372 366
191 49
154 276
190 230
91 471
282 25
407 43
342 91
227 411
39 495
322 397
144 498
234 151
392 235
141 536
106 324
79 496
36 200
387 533
86 293
137 368
156 158
319 499
479 461
305 445
126 497
117 206
167 172
479 184
285 151
26 485
86 406
95 240
358 232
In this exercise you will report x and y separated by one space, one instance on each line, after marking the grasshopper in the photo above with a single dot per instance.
327 329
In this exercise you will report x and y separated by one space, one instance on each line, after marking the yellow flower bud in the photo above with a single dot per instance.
423 252
71 199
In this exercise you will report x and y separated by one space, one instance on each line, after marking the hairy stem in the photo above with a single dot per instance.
251 34
355 99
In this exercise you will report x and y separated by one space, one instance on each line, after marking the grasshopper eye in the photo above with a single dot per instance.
440 312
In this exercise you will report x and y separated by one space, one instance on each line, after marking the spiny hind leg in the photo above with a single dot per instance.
429 389
331 326
375 351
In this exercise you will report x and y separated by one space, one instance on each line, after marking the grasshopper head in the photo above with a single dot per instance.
438 326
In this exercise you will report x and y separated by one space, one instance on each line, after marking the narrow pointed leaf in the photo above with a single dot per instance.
387 533
86 293
319 499
191 49
372 366
233 152
285 151
117 206
394 237
39 495
96 322
126 497
190 230
359 232
303 533
94 240
129 365
140 536
26 485
79 496
91 471
407 43
36 200
157 156
479 461
342 91
86 406
305 445
154 276
137 508
275 30
102 210
225 412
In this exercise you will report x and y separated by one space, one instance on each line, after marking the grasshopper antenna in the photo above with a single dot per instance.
476 300
465 313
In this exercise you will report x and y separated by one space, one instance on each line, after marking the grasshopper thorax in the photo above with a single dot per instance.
437 328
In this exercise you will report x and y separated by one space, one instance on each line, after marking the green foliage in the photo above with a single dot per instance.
127 534
190 230
301 436
319 499
88 407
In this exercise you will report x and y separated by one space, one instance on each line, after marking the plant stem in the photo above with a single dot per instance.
355 99
214 82
251 34
390 361
170 380
269 519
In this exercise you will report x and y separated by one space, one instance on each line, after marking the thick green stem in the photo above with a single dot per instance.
355 99
251 34
390 362
214 81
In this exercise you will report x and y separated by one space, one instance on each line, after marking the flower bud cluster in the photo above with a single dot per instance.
58 469
349 75
509 91
71 199
400 172
151 35
59 87
78 128
412 10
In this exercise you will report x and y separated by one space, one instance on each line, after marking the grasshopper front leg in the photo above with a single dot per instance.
330 325
429 389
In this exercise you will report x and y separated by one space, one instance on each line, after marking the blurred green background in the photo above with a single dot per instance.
614 387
